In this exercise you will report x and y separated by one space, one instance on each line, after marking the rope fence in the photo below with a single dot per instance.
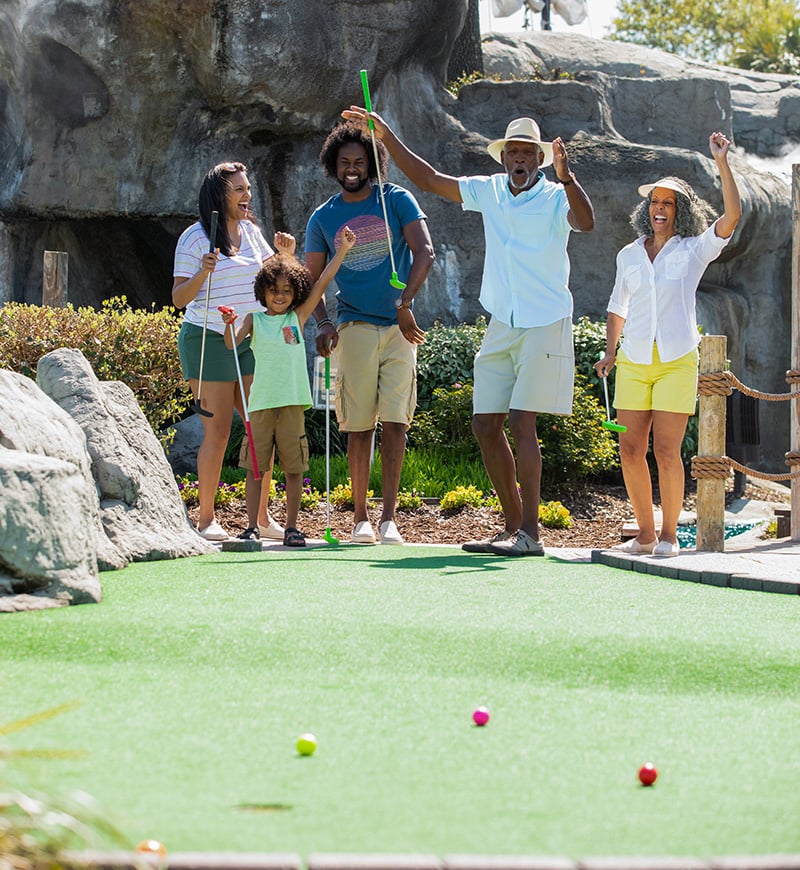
711 467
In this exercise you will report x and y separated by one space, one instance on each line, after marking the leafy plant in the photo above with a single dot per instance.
553 515
460 497
448 421
34 828
139 348
408 501
447 358
342 495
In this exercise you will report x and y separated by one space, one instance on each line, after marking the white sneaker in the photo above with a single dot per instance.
274 531
389 533
666 548
213 532
362 533
634 548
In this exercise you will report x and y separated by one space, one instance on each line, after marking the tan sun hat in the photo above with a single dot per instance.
521 130
670 183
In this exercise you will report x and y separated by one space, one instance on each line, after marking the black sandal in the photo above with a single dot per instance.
251 534
293 538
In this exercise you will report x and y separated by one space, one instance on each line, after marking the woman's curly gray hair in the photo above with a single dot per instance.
692 214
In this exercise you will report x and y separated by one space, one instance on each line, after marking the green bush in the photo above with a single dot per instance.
589 337
576 447
139 348
448 421
446 358
553 515
460 497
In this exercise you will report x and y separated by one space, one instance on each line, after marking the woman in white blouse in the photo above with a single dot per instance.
652 307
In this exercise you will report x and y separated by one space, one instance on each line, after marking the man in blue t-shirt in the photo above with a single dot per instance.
525 365
376 334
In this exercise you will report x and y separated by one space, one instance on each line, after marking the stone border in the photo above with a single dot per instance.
663 568
92 860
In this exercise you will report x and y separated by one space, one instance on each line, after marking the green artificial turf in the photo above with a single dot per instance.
195 677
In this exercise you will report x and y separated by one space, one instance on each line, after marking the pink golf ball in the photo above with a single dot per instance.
480 716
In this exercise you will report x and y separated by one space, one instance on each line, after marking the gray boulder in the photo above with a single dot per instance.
141 509
50 529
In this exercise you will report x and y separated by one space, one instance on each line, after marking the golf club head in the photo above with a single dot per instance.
199 409
396 282
614 427
329 537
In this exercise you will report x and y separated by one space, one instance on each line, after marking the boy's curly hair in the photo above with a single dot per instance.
296 274
343 134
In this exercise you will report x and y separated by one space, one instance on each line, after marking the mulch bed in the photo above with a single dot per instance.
598 513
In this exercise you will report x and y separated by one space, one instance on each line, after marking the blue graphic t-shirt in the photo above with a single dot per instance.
363 288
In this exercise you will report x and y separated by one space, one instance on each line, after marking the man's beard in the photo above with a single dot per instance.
350 188
529 179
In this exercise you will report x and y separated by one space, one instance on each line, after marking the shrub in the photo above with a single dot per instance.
553 515
408 501
309 497
576 447
448 422
342 495
446 358
139 348
460 497
589 337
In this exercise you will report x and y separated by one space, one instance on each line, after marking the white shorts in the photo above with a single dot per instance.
531 369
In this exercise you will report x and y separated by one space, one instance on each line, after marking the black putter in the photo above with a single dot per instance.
213 237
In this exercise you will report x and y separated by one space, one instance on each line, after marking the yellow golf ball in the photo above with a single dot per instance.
306 744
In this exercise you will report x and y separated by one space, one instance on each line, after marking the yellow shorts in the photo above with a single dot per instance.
670 386
531 369
283 429
376 376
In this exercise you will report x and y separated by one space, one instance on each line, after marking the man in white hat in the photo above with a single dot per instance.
525 365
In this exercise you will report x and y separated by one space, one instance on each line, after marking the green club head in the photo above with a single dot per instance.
329 537
396 282
614 427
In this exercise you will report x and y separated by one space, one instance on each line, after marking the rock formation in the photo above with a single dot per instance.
112 112
84 486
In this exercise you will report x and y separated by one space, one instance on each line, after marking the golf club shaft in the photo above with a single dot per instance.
605 390
328 440
368 107
212 240
247 429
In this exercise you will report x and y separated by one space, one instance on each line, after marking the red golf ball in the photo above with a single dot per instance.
648 774
480 716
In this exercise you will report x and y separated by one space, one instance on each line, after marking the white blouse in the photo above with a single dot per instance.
657 299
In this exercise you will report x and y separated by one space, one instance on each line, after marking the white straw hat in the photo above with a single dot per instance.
670 183
521 130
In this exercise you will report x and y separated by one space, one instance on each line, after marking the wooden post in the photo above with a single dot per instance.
794 406
55 279
711 442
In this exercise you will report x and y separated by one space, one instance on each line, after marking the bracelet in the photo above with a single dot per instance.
326 321
570 180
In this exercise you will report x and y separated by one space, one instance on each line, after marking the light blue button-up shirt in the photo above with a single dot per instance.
526 267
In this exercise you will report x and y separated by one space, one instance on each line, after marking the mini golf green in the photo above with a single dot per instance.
194 679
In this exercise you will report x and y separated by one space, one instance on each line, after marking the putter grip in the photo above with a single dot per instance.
212 236
367 100
327 372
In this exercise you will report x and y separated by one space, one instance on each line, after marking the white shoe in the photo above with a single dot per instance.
213 532
362 533
389 533
666 548
274 531
634 548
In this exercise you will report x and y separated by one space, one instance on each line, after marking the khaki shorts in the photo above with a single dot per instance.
525 369
283 429
670 386
376 376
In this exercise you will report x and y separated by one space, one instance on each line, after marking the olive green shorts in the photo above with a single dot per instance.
218 362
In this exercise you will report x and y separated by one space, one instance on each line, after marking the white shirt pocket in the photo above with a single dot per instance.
676 266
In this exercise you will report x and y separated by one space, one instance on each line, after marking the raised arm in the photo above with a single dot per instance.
411 165
581 212
719 146
328 273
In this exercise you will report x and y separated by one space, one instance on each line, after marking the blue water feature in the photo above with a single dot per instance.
687 535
